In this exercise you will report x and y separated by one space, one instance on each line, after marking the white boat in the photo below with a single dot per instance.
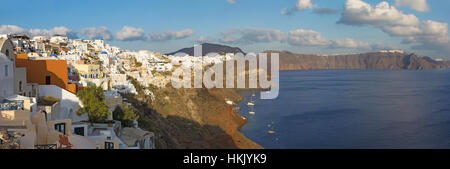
252 101
251 104
229 102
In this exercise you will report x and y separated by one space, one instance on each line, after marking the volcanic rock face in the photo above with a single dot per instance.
193 119
210 48
376 60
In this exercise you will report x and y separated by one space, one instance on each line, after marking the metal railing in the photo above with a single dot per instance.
12 105
46 146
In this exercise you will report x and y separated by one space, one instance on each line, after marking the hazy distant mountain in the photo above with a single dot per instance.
210 48
374 60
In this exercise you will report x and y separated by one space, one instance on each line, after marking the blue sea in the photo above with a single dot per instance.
355 109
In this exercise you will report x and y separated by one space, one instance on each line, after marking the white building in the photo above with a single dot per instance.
6 76
392 51
59 39
7 48
104 57
69 102
99 44
39 38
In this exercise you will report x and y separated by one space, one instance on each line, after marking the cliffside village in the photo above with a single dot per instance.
35 68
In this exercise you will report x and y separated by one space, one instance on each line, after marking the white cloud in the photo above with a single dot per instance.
425 28
349 43
252 35
130 34
97 33
11 29
357 12
301 37
203 39
301 5
426 34
304 4
418 5
171 35
59 30
298 37
308 4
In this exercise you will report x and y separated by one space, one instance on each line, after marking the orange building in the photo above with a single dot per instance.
46 72
21 56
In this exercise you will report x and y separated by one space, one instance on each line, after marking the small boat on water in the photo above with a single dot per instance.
252 110
271 132
252 101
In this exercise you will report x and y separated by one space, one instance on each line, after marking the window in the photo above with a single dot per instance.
20 86
7 53
109 145
79 131
6 70
47 80
61 127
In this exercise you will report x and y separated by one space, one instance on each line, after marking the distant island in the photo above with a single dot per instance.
386 60
210 48
383 60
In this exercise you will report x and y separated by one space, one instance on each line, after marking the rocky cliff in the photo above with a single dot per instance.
192 118
375 60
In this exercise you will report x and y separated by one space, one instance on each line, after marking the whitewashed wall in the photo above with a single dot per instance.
69 102
6 82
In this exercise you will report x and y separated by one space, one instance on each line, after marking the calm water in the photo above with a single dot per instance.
354 109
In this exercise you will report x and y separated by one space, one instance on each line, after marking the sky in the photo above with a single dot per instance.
300 26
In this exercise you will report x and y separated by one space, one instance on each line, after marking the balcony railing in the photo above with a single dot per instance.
45 146
11 105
